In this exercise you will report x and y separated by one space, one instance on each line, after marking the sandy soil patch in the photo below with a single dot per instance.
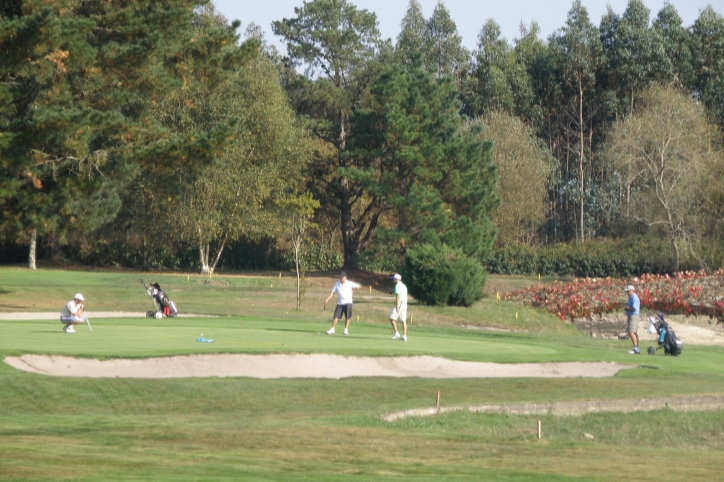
301 366
691 330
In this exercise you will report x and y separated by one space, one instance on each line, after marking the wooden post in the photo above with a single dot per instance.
540 435
437 400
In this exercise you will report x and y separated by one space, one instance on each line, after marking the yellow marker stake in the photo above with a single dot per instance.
357 318
370 289
516 316
538 276
411 318
280 275
497 295
188 278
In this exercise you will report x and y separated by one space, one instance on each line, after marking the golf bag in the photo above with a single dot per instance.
164 306
667 338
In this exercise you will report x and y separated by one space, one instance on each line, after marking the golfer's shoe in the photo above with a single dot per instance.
635 351
70 329
395 336
345 332
404 337
65 328
330 331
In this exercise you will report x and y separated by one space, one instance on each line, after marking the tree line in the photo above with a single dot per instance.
159 125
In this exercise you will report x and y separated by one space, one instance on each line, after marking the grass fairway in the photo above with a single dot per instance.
54 428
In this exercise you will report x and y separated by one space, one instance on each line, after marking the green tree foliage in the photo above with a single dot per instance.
435 42
298 212
635 55
525 170
577 55
411 42
440 275
677 44
337 44
500 79
666 149
444 52
708 50
76 79
492 89
153 202
239 193
414 160
116 117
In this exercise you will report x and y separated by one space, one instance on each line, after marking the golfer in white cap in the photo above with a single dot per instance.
72 313
399 312
632 309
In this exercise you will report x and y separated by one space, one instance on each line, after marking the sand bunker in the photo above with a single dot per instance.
301 366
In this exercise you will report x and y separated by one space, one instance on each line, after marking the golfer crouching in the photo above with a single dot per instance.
72 313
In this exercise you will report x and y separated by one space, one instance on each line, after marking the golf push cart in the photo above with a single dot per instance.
164 306
667 338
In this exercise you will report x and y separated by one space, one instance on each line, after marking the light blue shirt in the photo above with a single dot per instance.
633 306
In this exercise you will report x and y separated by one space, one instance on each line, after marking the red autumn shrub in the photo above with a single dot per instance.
688 293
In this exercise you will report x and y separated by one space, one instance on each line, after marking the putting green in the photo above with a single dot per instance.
130 337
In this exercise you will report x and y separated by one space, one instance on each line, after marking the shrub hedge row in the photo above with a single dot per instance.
598 259
623 258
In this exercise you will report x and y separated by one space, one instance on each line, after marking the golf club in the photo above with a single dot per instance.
88 322
324 321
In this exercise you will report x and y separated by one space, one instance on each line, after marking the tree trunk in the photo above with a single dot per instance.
204 258
145 252
218 255
33 246
296 265
349 241
675 246
580 159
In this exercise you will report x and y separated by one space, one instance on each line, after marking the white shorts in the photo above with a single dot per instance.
70 319
400 314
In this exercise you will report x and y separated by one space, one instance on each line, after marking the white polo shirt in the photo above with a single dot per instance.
344 291
70 309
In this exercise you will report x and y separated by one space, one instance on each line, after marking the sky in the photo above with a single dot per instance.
469 15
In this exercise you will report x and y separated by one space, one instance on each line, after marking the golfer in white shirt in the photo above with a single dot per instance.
344 289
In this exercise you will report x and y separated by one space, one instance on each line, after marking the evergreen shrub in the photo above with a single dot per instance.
469 278
440 275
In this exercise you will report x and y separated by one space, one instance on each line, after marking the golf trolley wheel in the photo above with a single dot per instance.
651 350
150 314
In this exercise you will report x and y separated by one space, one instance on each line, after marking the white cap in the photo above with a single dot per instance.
396 276
630 288
78 296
